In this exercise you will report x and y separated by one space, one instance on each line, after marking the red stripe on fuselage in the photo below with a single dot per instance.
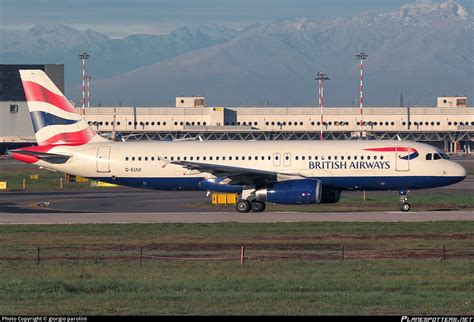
36 92
392 149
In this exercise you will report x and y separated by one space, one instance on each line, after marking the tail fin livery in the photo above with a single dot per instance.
54 119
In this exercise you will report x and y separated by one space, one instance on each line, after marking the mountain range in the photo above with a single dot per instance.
423 50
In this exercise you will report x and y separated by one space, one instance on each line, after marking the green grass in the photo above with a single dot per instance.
426 287
96 285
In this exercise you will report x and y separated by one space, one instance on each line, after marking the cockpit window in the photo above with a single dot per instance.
429 156
444 156
436 156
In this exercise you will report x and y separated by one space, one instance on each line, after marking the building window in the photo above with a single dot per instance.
13 108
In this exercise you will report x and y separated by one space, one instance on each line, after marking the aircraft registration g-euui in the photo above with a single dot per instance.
280 172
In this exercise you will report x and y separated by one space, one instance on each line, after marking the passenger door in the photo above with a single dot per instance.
103 155
402 163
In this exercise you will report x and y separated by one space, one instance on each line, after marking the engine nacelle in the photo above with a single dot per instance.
291 192
330 196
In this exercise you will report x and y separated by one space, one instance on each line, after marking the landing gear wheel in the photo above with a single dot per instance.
258 206
243 206
405 207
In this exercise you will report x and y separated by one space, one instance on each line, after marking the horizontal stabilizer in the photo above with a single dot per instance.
48 157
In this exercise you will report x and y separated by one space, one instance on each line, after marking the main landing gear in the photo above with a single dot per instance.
404 205
246 206
248 201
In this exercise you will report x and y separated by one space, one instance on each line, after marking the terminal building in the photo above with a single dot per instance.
449 125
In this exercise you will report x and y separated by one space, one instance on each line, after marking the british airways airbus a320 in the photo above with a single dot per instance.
280 172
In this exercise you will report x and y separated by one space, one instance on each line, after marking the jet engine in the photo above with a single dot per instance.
290 192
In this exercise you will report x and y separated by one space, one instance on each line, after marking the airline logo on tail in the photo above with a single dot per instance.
54 119
413 153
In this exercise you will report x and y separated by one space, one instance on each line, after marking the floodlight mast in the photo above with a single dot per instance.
89 79
83 56
361 57
321 77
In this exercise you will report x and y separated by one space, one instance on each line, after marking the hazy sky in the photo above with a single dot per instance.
121 17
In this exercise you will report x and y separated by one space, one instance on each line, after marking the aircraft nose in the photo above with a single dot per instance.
459 171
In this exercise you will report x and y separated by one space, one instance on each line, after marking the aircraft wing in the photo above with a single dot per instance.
236 175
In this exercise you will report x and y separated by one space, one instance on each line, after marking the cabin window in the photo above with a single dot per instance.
139 158
146 158
191 158
296 157
126 158
197 158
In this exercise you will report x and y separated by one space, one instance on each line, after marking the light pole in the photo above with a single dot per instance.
361 56
321 77
89 79
83 56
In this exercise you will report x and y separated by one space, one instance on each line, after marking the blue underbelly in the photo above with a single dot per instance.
337 183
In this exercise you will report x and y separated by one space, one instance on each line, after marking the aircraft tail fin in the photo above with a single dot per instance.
55 121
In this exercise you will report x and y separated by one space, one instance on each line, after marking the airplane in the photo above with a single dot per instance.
279 172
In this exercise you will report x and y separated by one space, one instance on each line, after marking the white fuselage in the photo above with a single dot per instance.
344 165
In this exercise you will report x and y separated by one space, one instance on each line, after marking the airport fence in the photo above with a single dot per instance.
219 252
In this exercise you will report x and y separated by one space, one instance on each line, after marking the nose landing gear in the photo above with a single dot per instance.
404 205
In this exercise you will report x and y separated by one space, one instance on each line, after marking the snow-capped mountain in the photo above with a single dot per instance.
52 44
424 49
